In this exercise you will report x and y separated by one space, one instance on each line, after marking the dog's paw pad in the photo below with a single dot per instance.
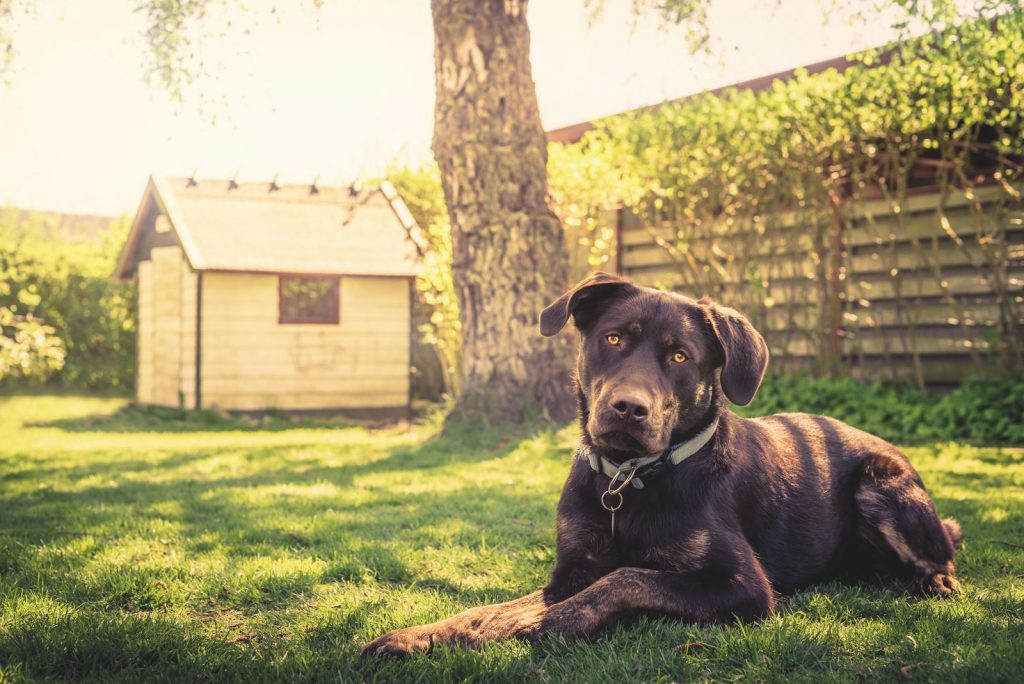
940 584
398 644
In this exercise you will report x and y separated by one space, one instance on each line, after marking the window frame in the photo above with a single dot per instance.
335 296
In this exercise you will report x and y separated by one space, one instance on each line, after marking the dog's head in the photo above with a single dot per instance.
651 363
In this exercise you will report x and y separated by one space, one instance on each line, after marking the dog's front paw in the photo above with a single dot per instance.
400 643
940 584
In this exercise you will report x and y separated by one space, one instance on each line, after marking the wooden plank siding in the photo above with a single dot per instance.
144 340
166 353
911 286
188 285
252 362
166 335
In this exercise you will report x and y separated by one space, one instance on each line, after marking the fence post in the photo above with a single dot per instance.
834 303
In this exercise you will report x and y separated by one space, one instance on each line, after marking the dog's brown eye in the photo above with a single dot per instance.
613 340
679 357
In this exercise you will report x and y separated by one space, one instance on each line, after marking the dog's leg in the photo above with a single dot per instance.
899 519
733 587
708 595
519 618
585 555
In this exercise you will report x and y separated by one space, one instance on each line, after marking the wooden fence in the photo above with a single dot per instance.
930 290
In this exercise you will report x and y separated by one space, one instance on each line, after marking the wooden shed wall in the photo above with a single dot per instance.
166 334
251 362
908 287
144 332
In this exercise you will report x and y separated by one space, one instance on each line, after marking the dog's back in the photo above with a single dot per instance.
796 494
835 513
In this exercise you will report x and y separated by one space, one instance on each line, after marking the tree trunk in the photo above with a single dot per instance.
508 248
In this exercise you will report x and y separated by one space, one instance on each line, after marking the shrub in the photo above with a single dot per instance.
69 285
420 189
28 347
755 198
980 410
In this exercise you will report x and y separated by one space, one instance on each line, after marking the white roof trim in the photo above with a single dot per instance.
404 216
165 196
133 233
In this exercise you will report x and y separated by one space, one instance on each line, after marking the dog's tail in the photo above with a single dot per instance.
952 527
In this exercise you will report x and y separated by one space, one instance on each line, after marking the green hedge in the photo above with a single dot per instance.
71 282
980 410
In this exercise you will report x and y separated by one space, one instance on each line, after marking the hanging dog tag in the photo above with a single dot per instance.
610 504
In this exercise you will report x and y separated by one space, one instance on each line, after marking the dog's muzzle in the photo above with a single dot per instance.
629 419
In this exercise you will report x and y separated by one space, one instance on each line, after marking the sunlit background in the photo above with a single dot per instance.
337 92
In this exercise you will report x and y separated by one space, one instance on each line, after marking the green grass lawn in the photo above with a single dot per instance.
141 546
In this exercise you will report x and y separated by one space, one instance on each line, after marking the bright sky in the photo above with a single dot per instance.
338 92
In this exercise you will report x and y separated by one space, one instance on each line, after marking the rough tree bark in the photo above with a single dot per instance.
508 247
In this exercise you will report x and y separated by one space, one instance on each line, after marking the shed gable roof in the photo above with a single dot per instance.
260 227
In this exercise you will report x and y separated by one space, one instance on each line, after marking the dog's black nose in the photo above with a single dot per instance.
631 407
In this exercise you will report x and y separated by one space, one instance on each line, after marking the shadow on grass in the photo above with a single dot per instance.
245 515
974 481
136 418
267 534
281 525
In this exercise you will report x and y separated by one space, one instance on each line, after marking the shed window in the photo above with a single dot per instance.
304 299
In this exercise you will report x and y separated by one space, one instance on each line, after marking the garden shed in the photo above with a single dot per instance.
259 296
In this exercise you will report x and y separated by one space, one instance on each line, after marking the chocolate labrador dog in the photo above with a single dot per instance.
677 506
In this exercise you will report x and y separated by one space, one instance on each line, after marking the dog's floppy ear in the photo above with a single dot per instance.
580 301
744 353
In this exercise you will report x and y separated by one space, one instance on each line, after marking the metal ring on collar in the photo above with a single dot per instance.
606 507
612 489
